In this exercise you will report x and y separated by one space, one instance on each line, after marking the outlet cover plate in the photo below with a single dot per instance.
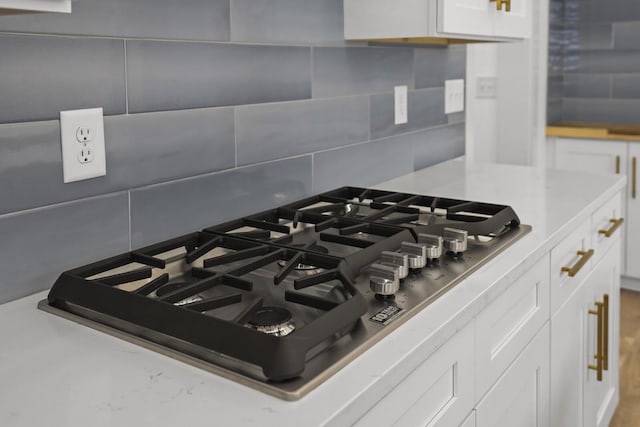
453 96
400 105
75 167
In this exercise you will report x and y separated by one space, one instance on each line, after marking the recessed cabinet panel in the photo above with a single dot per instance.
507 325
439 392
515 22
465 17
520 398
591 155
601 393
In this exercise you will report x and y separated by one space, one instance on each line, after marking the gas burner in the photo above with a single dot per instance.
298 267
274 321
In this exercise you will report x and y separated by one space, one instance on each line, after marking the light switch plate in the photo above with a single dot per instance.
486 87
453 96
400 104
83 150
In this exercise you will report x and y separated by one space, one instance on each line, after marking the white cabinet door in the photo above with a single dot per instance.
567 366
632 220
591 155
602 289
474 17
439 392
516 22
507 325
578 398
520 398
26 6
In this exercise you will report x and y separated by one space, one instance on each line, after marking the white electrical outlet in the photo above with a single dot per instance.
83 150
453 96
400 105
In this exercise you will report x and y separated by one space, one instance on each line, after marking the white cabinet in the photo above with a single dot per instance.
584 341
632 266
439 392
520 398
602 332
422 21
8 7
511 321
606 156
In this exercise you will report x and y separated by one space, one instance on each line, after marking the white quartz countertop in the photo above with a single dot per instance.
56 372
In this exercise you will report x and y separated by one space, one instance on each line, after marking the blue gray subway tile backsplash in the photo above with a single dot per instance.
74 73
175 75
341 71
594 51
59 238
213 109
287 21
207 200
274 131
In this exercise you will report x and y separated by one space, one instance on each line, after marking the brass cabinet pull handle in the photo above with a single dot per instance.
599 357
617 165
585 256
605 326
616 224
633 177
499 4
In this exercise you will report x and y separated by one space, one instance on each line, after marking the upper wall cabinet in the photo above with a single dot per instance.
439 21
10 7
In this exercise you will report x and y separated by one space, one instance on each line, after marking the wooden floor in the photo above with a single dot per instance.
628 412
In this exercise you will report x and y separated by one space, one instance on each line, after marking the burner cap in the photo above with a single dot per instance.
270 316
274 321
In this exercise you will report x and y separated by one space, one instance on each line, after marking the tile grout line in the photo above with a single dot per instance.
130 236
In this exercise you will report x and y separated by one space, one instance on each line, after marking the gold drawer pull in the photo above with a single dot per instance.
605 326
599 356
633 177
586 256
617 165
616 224
499 4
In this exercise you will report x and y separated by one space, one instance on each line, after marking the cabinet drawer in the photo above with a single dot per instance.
438 392
521 395
572 253
505 327
606 225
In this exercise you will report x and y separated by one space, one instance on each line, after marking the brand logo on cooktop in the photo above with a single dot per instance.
386 315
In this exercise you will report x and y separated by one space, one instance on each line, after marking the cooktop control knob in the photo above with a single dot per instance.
385 280
433 245
417 254
396 259
455 241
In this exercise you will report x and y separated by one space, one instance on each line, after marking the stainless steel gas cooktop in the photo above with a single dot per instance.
281 300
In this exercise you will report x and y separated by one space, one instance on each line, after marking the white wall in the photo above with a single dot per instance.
510 128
